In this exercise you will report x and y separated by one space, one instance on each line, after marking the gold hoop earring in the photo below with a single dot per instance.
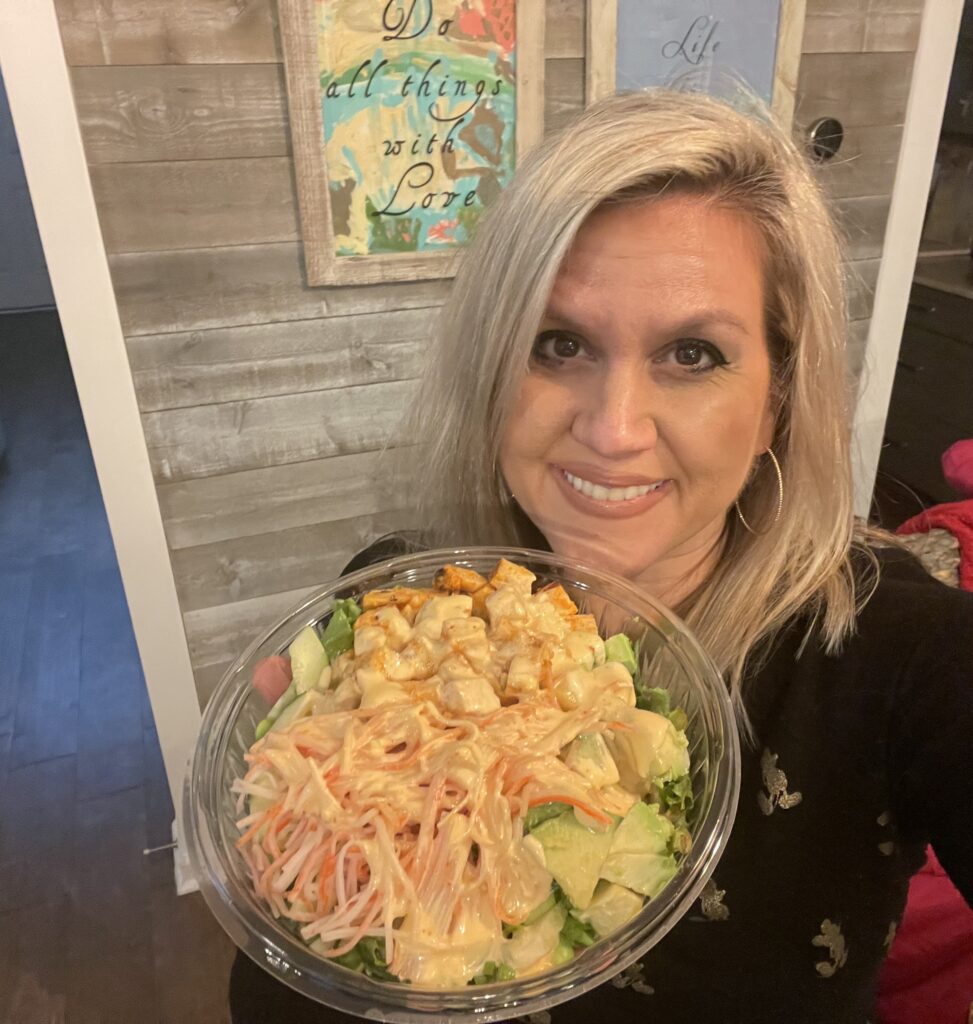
780 500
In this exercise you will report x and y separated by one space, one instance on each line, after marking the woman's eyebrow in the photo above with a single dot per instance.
710 318
697 322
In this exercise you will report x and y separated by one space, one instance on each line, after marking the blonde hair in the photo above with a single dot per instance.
631 148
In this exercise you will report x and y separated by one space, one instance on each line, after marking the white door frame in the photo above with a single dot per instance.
913 177
42 105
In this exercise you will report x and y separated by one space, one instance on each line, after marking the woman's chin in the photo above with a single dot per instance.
597 553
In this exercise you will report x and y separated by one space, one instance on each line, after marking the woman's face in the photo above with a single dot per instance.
647 399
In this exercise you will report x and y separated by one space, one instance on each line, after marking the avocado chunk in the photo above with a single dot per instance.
619 648
530 943
650 751
308 659
610 907
639 856
574 855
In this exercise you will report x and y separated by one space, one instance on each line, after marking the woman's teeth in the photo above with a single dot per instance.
600 493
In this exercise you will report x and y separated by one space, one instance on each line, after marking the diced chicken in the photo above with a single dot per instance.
523 675
544 620
347 694
390 620
455 578
369 639
377 599
574 689
515 576
455 666
429 621
377 690
479 600
506 604
615 679
467 637
474 696
417 660
559 597
587 649
583 623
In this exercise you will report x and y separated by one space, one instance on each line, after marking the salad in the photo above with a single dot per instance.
461 784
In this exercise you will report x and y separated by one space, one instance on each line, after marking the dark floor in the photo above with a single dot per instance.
91 930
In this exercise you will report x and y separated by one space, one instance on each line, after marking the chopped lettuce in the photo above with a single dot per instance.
339 635
676 795
619 648
658 700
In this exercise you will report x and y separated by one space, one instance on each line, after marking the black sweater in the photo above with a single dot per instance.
859 761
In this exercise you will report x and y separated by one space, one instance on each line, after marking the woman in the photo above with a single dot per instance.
641 366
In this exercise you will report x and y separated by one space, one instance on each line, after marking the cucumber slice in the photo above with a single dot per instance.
295 710
308 658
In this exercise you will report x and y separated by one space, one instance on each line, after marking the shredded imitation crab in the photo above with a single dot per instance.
394 809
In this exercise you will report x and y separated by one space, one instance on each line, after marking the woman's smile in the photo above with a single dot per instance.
611 495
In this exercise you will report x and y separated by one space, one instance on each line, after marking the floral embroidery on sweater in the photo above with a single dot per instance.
775 782
830 938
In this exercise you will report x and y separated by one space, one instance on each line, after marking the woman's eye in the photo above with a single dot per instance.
555 347
694 355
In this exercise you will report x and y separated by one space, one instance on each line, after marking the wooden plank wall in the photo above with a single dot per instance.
265 402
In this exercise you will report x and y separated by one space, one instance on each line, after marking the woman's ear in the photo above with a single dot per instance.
768 426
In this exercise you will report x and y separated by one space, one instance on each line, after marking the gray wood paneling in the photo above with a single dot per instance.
216 508
564 91
174 32
859 89
860 279
195 204
848 26
865 165
181 112
233 436
857 339
248 567
862 220
196 289
184 369
218 635
565 29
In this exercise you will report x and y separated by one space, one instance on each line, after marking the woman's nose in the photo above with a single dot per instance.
617 418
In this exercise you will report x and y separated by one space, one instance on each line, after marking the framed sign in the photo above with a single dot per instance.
709 45
407 118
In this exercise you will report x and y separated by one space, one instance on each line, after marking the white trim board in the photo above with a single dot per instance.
45 120
913 176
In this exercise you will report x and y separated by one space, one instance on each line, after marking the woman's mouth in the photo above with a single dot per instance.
600 493
614 497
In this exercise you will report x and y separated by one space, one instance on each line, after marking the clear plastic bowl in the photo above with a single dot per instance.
670 658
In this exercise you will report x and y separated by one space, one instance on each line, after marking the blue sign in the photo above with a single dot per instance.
711 46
